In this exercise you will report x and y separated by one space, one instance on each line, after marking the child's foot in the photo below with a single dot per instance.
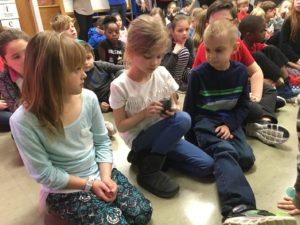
268 133
110 128
259 217
280 102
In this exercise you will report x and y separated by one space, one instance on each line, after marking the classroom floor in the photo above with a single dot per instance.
197 202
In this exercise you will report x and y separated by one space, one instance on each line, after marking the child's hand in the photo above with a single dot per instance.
103 191
223 132
143 6
178 47
174 108
101 31
112 194
287 204
268 35
253 98
3 105
154 109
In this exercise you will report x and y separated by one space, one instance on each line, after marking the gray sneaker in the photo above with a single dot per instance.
260 217
269 133
294 100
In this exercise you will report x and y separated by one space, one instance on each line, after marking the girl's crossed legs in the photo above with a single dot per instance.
130 206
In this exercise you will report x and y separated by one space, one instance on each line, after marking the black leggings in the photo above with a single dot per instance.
270 60
264 108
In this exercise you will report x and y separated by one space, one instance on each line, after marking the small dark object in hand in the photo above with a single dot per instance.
166 103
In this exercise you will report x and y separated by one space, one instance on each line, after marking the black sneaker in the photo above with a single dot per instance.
280 102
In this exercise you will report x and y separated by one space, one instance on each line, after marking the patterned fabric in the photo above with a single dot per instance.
181 65
84 208
9 91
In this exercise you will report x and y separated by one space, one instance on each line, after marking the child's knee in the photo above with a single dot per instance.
205 169
183 120
144 217
247 162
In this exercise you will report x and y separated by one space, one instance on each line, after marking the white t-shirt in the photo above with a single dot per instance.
135 96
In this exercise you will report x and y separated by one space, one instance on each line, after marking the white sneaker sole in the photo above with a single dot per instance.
265 220
270 134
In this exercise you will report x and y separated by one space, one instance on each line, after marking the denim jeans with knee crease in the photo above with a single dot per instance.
165 138
231 158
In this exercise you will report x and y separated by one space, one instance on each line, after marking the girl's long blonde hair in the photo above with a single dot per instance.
294 23
199 29
49 58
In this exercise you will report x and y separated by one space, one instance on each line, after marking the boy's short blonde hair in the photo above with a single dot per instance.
60 22
258 12
239 2
222 29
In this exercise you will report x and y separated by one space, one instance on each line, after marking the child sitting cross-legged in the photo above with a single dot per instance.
272 26
100 74
242 7
270 59
111 49
147 113
218 102
96 34
60 134
122 28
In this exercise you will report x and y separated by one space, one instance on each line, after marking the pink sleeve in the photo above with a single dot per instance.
244 54
1 65
200 56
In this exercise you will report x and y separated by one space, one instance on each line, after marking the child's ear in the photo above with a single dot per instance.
236 47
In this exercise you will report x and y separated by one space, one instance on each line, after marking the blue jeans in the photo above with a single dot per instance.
231 158
4 120
165 138
121 9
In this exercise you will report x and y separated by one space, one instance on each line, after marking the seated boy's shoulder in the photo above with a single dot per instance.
239 68
200 67
237 64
